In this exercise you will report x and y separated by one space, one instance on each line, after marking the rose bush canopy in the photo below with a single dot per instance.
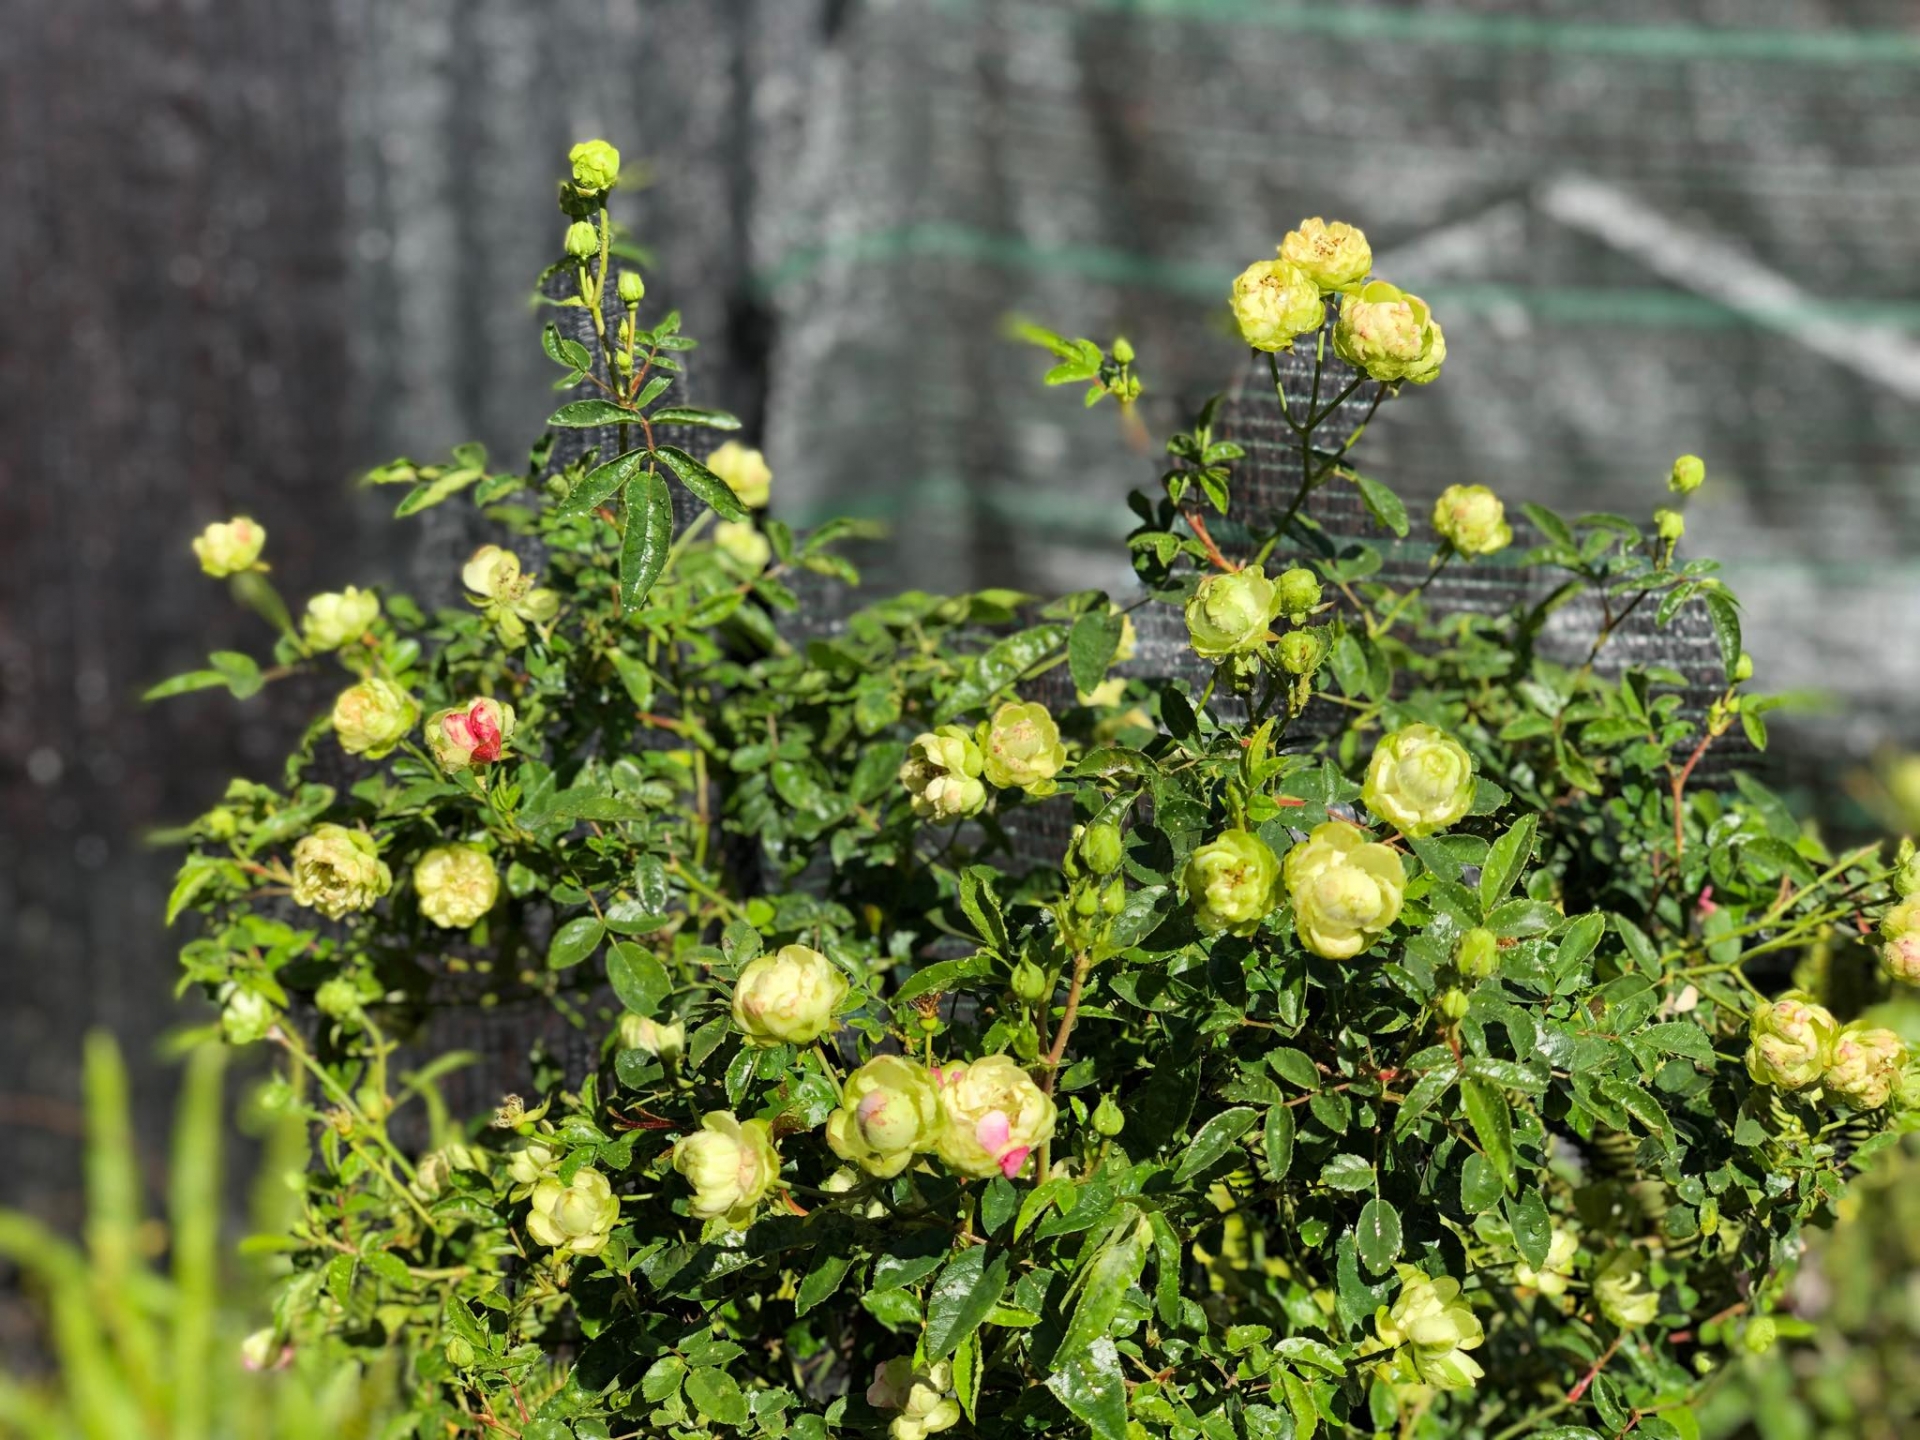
1454 1065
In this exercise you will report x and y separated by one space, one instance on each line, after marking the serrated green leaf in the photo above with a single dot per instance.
1213 1140
599 484
1492 1121
648 538
708 486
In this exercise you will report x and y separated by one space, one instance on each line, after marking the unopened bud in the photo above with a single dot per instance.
1123 350
1452 1004
1114 898
459 1352
1107 1119
583 239
1743 668
631 287
1030 982
1689 474
1671 524
1103 848
1760 1334
1478 955
1301 651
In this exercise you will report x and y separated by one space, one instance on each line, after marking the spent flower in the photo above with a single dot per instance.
1791 1042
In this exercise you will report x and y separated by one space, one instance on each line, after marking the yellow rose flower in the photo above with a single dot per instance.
1273 302
1346 889
745 472
1334 257
788 997
1419 781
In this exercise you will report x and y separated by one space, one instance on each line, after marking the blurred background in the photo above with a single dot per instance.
248 250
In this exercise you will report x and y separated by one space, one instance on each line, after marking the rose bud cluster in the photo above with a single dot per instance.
789 997
1419 781
731 1165
1346 889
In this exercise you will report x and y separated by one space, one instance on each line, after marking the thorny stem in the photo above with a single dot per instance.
1199 526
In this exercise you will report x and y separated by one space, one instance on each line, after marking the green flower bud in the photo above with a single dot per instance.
1671 525
1334 257
1743 668
459 1352
1452 1003
942 775
337 998
1021 749
745 546
1232 883
577 1217
337 871
1622 1288
1436 1326
788 997
596 166
1760 1333
1030 982
1113 899
475 733
456 884
1472 520
246 1016
1900 941
1420 780
1689 474
1792 1042
1346 889
1296 594
221 823
631 288
731 1165
1229 614
263 1349
1301 651
1103 848
1389 334
1552 1277
230 548
745 472
1273 302
1478 954
994 1117
337 619
1866 1066
642 1032
583 240
889 1112
1107 1119
373 717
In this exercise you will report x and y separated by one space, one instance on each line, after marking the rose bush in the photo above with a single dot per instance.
1392 1045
